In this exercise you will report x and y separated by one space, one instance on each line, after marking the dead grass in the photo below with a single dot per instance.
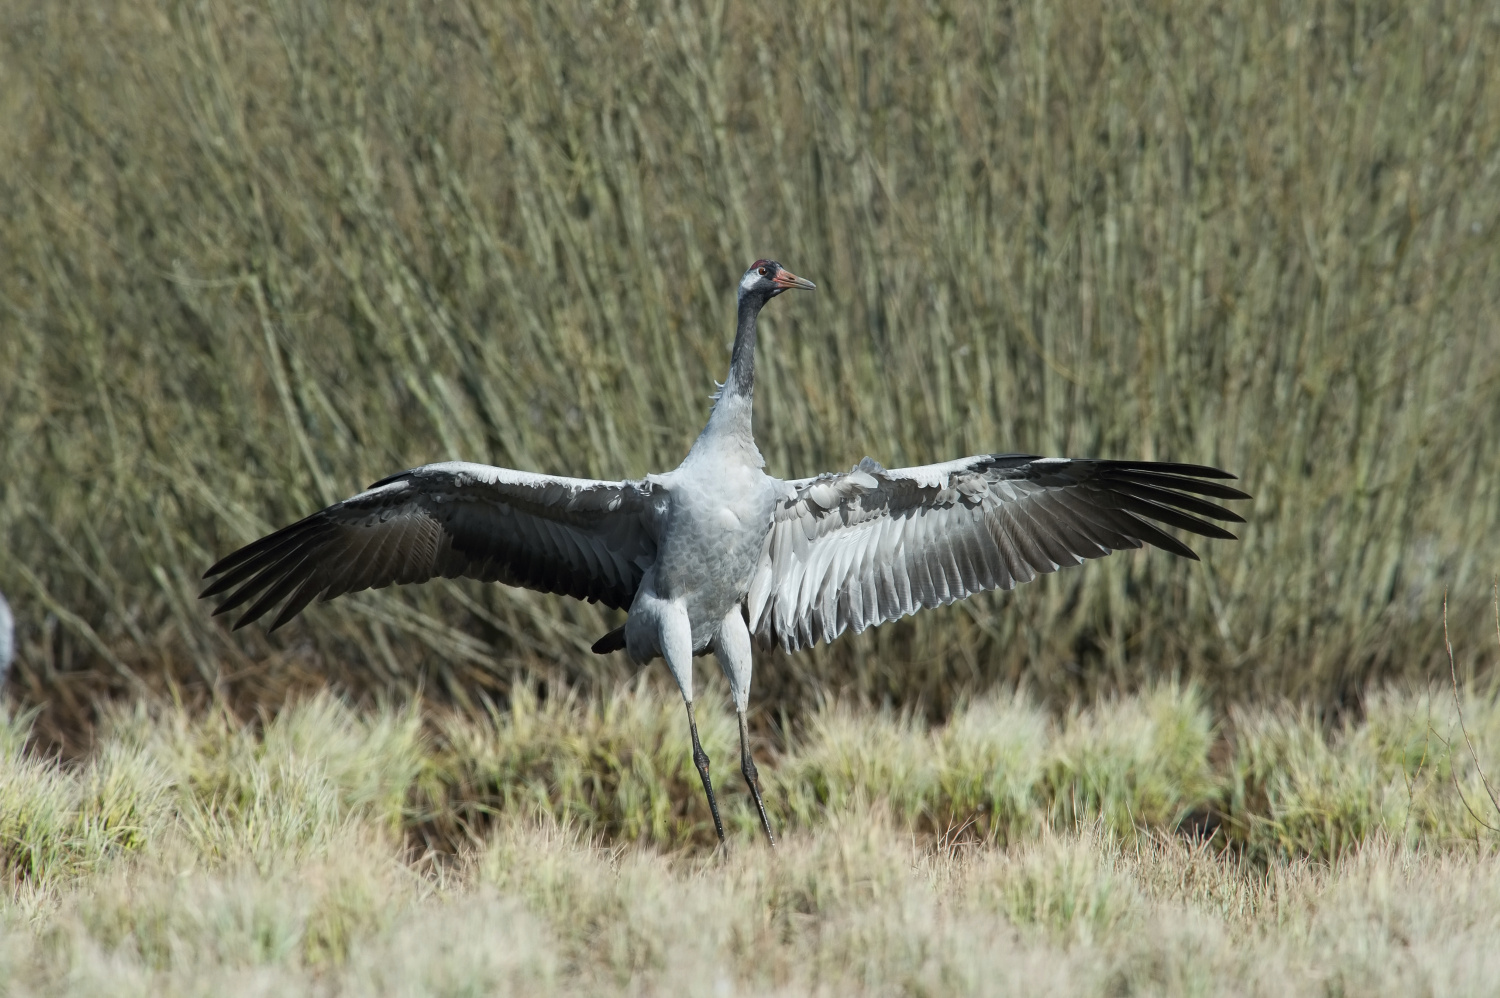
1277 785
193 855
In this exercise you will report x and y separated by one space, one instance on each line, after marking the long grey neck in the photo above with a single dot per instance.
731 415
741 380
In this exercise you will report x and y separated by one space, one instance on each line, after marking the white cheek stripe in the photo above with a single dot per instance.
748 281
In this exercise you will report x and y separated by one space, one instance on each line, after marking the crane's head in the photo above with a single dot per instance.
767 279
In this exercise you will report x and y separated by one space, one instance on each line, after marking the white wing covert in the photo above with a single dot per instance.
859 548
587 539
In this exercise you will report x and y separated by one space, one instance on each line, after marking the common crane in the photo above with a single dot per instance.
717 552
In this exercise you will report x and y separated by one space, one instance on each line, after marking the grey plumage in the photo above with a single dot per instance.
857 549
717 553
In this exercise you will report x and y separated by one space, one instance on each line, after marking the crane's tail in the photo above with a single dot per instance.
613 641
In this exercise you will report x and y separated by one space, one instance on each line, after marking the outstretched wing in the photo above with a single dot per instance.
586 539
870 545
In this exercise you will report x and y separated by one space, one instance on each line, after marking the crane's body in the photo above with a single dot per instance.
717 509
716 555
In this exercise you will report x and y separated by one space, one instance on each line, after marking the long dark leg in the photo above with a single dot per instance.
752 777
700 759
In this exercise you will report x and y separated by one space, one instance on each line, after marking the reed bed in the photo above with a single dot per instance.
257 255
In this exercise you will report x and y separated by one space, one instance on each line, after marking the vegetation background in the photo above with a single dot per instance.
259 255
255 255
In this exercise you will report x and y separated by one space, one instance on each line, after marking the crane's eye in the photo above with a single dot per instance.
762 272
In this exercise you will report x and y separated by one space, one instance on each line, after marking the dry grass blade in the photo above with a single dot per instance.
1459 709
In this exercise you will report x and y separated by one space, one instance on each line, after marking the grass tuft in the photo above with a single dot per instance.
1402 772
1139 760
329 848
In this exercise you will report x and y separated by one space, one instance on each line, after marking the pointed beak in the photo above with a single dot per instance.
787 281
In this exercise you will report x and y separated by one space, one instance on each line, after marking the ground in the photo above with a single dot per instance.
562 848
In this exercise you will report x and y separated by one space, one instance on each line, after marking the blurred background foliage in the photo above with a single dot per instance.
257 255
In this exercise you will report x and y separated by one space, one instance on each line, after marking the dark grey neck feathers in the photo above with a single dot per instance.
729 424
741 380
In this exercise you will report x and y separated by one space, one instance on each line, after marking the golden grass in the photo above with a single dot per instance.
335 850
1276 786
257 255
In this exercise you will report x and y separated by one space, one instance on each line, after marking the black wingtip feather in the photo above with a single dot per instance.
1177 501
285 577
1174 468
257 547
1181 483
299 599
1151 534
246 561
269 570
